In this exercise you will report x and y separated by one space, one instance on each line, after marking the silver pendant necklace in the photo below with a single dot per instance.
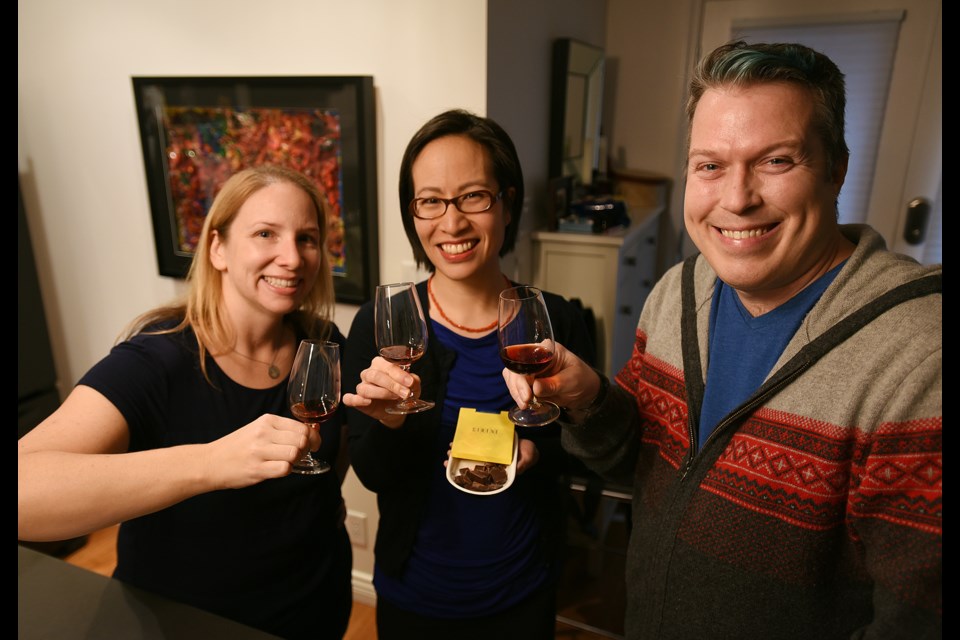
272 369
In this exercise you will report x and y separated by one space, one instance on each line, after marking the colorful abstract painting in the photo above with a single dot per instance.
206 145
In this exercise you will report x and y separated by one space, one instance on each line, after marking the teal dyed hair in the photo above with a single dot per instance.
738 64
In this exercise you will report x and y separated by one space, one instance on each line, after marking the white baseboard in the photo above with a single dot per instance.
363 591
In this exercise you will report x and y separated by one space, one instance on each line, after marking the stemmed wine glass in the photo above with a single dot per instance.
527 347
401 334
314 393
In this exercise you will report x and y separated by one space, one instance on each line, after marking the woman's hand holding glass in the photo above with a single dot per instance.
401 331
380 385
401 336
263 449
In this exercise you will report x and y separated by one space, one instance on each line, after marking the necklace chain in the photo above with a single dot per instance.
272 369
433 300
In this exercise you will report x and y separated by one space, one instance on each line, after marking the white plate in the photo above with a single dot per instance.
455 464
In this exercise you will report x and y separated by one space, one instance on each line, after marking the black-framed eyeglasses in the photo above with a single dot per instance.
470 202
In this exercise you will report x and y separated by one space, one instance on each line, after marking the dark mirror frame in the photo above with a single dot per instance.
576 110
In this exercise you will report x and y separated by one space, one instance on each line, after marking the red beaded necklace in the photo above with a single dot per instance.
433 301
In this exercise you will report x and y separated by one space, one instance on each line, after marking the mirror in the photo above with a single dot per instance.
576 110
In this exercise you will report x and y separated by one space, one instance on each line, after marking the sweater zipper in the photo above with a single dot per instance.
819 346
737 414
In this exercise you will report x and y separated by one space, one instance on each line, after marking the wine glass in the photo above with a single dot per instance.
527 347
314 393
401 334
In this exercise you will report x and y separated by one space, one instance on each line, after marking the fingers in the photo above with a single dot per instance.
383 380
566 382
287 440
265 448
356 401
527 456
449 451
292 432
383 384
519 387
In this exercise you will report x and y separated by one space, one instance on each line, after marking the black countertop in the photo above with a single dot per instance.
56 599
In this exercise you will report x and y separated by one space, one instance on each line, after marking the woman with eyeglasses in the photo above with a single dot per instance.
449 564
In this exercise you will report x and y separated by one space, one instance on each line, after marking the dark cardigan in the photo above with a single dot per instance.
396 463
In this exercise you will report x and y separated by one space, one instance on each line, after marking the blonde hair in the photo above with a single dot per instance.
201 308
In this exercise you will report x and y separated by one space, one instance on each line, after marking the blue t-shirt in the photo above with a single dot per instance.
743 349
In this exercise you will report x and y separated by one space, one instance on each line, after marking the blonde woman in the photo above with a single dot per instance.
183 434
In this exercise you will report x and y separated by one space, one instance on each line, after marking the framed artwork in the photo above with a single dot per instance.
196 132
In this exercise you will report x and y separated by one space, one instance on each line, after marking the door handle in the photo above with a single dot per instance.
918 212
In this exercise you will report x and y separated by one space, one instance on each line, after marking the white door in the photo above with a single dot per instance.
909 149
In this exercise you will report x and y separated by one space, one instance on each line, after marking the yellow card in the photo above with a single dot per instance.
486 437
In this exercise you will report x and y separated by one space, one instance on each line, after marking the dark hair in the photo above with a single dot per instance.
503 155
740 64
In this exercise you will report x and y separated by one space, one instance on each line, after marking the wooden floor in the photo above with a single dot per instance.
99 555
591 594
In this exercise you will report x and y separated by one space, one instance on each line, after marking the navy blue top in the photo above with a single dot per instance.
743 349
273 555
462 564
436 545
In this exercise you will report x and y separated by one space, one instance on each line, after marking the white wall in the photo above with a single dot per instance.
78 143
650 51
79 153
79 156
519 54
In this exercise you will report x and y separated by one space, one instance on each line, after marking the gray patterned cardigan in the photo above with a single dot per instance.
816 514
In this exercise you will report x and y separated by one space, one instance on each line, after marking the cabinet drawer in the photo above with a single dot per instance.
612 274
635 277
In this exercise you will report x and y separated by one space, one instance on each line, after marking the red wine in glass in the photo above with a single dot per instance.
313 413
401 335
526 347
401 355
526 359
313 392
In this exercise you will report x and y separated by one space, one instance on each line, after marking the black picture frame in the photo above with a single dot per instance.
346 103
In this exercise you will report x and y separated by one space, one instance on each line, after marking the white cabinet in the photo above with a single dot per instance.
611 273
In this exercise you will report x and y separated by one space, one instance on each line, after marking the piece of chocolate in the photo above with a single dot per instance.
482 477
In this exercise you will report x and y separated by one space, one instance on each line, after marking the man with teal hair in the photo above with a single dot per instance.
780 417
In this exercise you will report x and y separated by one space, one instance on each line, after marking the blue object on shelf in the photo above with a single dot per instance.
600 215
575 224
